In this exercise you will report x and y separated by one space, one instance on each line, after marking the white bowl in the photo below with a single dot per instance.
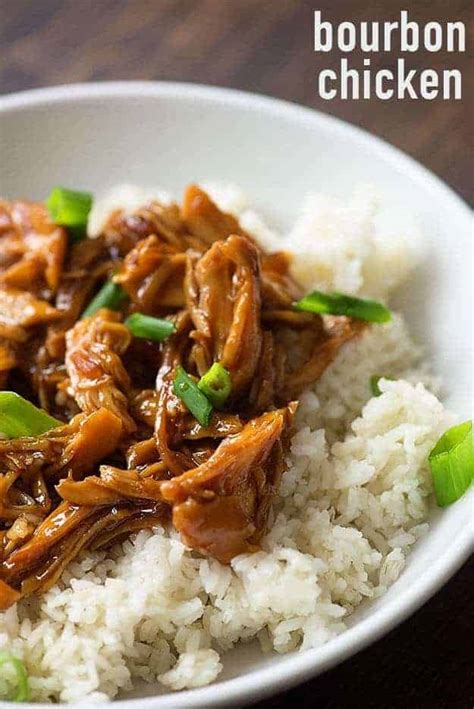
97 135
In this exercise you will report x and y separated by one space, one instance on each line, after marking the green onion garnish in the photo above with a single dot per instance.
216 384
22 691
340 304
188 391
111 296
70 209
149 328
452 463
19 417
374 383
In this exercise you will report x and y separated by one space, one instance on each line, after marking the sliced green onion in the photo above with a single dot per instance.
70 209
188 391
111 296
22 691
340 304
149 328
216 384
19 417
374 383
452 463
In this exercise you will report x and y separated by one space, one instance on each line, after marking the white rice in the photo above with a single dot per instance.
341 247
354 500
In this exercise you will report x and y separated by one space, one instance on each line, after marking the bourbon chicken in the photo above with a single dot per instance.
148 376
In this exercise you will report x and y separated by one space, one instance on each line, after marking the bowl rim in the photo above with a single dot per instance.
295 667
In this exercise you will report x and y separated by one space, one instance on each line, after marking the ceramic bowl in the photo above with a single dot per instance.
96 135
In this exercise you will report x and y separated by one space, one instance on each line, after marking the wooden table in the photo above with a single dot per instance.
267 46
259 45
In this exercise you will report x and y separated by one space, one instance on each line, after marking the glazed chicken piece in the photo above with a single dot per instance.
8 596
269 375
19 312
205 220
88 263
29 499
72 449
196 225
37 546
156 238
97 377
35 560
222 424
57 525
152 274
329 336
8 360
32 248
112 487
279 290
221 507
39 563
223 295
21 309
123 230
169 409
29 467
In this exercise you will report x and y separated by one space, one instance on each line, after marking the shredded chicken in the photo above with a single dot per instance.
40 562
8 360
67 451
205 220
127 452
335 332
32 249
112 487
20 314
123 230
223 294
221 507
97 376
152 275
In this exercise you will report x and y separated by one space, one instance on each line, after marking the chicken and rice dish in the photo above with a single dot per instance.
202 432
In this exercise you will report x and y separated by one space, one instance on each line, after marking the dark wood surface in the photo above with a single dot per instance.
266 46
258 45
